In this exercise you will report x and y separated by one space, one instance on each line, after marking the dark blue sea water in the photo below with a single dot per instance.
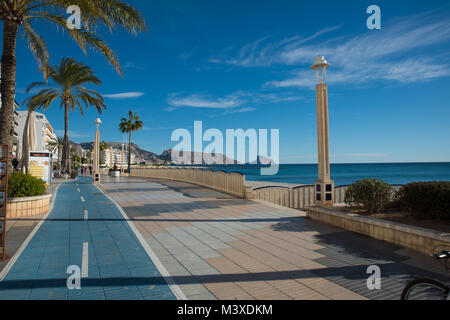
343 174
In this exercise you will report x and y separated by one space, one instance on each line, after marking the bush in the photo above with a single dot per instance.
426 198
372 194
24 185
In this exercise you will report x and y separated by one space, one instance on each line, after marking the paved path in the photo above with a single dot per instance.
217 246
85 229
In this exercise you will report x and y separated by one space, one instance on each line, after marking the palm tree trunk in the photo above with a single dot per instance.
66 143
129 154
8 85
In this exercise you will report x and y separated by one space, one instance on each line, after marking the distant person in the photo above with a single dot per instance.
82 170
90 170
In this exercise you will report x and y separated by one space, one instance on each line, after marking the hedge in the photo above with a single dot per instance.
372 194
426 198
24 185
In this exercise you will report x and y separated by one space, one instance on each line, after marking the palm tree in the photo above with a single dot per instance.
23 14
69 78
56 145
103 146
133 123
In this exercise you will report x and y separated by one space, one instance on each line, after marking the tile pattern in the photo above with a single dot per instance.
119 268
217 246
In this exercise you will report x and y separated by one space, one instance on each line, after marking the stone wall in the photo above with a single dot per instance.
420 239
28 206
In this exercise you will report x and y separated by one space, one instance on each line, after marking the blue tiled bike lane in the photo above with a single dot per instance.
118 267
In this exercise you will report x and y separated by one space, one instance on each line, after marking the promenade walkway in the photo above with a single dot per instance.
216 246
171 240
85 229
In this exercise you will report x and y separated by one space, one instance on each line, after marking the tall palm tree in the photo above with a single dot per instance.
69 78
23 14
133 123
56 145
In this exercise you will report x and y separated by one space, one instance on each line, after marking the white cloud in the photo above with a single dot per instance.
204 101
392 53
228 102
124 95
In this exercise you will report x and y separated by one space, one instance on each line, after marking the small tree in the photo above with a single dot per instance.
372 194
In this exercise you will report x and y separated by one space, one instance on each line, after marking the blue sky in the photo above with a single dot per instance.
245 64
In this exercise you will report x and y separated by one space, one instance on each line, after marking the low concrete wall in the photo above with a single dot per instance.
420 239
28 206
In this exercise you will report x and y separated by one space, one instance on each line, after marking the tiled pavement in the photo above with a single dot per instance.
217 246
117 267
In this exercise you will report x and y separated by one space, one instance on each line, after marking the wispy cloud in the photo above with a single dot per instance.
243 100
392 53
262 53
204 101
124 95
239 110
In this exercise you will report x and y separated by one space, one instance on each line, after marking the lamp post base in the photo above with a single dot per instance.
96 177
324 193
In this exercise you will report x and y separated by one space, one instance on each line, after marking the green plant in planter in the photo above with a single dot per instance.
24 185
372 194
428 199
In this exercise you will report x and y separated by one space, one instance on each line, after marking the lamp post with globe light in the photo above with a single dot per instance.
324 186
96 152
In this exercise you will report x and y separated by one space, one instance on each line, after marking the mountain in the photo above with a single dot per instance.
148 156
207 158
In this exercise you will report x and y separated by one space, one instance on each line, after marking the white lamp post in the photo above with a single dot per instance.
324 187
97 122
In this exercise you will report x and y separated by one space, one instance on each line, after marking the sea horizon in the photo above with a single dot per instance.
397 173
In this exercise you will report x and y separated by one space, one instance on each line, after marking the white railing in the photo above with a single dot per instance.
232 183
298 197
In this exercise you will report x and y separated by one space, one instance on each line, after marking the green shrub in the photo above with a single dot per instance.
24 185
372 194
426 198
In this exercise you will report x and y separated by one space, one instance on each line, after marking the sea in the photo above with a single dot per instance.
347 173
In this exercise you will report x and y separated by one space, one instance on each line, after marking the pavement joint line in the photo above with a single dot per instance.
166 275
16 256
85 260
82 199
85 214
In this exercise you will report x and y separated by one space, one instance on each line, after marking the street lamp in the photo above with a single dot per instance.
97 122
320 64
324 186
